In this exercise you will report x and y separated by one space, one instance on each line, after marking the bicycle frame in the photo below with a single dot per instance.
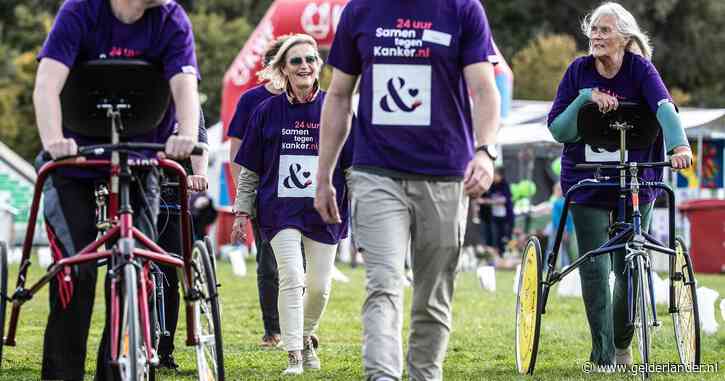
625 233
124 235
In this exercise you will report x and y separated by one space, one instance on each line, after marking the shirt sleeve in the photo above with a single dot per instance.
239 119
64 40
653 89
565 93
476 39
179 55
344 54
251 154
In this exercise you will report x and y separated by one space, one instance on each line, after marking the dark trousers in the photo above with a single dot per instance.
69 209
608 316
494 230
267 283
170 240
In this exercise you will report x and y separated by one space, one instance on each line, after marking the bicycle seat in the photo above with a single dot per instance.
597 129
135 83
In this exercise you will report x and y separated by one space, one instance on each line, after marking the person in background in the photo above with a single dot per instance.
170 239
497 208
568 249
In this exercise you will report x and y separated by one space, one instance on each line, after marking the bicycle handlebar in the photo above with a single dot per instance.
101 149
656 164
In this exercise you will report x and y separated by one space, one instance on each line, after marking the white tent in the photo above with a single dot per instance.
526 123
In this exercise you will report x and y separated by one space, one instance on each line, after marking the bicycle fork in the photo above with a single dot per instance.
634 253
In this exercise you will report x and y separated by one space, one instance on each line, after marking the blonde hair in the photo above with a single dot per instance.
273 71
626 26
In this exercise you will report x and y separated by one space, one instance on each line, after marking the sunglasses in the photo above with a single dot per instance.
296 61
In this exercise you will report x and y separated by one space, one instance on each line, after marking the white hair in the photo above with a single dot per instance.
273 71
626 26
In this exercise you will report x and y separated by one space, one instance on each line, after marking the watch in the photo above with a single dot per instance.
488 149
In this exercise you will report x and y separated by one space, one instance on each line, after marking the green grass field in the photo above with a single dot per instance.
481 345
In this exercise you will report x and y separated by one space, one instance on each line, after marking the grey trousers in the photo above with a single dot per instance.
387 215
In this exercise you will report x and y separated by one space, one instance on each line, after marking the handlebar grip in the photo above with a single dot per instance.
100 149
587 166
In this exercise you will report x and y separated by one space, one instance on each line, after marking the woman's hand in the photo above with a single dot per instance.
681 157
239 229
605 101
197 183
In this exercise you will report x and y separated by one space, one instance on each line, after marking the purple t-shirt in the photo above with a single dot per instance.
637 81
281 145
246 105
414 114
87 30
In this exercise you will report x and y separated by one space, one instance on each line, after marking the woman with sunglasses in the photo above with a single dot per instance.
278 160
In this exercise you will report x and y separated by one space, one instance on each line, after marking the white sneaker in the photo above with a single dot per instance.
294 365
309 355
623 356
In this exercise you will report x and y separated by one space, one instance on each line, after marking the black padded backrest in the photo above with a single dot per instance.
594 127
133 82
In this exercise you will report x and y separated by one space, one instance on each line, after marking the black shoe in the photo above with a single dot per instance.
168 362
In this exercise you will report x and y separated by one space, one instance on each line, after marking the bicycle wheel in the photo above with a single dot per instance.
528 308
212 253
133 364
686 316
209 350
642 316
3 293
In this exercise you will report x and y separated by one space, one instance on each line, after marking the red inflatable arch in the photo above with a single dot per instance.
318 18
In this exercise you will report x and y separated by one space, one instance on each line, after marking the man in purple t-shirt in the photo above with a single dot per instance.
415 162
157 31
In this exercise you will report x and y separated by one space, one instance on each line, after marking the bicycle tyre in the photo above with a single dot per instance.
207 316
131 340
641 318
686 317
528 308
3 293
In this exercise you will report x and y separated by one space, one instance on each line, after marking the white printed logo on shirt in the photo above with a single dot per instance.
296 176
436 37
597 154
401 95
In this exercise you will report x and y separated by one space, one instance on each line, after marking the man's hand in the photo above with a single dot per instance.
239 229
681 157
62 147
179 146
197 183
478 176
326 202
605 101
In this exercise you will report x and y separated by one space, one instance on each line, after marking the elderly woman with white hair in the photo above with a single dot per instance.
617 69
278 160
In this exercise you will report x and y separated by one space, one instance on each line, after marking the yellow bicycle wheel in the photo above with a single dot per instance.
686 316
528 307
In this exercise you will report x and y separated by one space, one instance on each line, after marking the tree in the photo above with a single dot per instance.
540 65
218 42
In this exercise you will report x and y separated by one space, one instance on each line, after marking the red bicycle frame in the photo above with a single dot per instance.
122 230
